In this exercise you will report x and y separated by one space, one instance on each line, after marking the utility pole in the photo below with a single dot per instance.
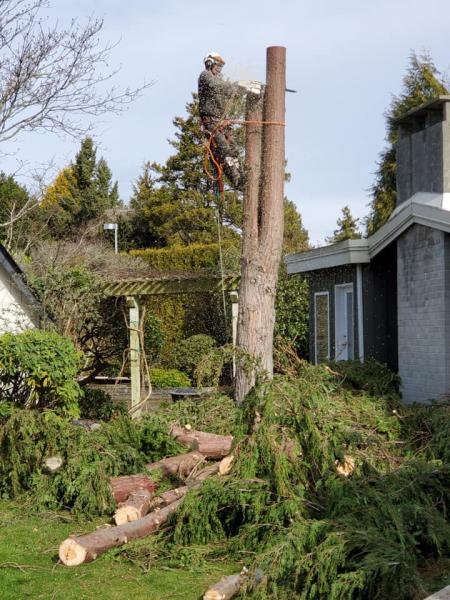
262 224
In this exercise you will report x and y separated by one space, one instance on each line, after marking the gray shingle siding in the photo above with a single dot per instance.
423 313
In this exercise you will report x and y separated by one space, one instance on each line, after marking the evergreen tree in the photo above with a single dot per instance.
347 228
80 192
296 238
174 202
17 213
421 83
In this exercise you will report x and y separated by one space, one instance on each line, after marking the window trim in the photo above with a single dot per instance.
327 294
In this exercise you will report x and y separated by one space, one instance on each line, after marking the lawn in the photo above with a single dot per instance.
29 565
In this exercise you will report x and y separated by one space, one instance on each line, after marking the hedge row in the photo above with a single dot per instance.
193 258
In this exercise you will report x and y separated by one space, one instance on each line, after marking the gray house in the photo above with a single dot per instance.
388 296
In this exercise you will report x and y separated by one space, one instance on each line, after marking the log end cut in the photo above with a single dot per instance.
71 553
126 514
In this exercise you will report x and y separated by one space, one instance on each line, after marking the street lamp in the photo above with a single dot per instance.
115 228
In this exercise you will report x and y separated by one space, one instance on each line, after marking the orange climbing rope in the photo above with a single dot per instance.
209 153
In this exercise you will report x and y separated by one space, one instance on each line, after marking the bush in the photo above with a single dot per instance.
166 378
97 404
192 350
38 369
370 376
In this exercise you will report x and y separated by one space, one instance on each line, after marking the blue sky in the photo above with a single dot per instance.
345 58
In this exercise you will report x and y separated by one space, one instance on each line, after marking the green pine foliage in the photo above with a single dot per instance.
120 447
421 83
311 533
347 228
292 311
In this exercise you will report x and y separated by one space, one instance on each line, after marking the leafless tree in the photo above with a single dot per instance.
52 77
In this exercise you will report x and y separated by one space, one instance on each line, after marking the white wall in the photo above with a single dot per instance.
15 315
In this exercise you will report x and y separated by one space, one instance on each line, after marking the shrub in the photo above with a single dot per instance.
370 376
192 350
38 370
97 404
166 378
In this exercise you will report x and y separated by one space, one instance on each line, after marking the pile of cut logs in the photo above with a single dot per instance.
140 510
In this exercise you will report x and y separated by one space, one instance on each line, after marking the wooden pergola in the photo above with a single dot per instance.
133 289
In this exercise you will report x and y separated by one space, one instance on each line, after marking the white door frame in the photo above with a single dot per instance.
341 325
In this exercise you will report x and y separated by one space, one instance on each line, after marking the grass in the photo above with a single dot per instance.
29 564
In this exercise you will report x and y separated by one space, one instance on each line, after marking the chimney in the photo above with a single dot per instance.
423 153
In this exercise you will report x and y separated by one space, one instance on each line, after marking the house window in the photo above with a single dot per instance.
344 322
321 327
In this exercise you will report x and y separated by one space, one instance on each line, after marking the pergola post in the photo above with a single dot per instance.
135 355
234 298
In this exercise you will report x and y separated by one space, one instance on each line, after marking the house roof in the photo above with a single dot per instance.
421 209
18 281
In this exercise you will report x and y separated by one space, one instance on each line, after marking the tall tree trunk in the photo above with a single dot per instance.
262 226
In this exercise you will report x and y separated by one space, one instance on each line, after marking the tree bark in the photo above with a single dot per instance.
225 589
81 549
169 497
262 229
135 507
76 550
210 445
125 485
181 466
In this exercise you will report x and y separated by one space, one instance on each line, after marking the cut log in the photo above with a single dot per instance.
180 466
125 485
82 549
225 589
226 464
53 464
209 444
135 507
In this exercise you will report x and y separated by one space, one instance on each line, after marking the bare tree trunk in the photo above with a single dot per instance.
263 227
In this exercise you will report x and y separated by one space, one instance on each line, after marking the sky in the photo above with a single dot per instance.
345 58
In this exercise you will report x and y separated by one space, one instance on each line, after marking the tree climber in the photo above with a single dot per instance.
215 97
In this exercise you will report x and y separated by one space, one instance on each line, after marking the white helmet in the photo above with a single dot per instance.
213 58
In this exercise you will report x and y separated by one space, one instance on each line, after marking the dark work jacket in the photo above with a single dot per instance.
213 95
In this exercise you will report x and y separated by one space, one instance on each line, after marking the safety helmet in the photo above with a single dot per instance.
213 58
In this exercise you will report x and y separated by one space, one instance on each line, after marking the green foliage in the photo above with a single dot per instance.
168 378
292 311
95 324
193 258
119 447
38 369
421 83
347 228
215 413
370 376
314 534
18 214
80 192
191 351
97 404
295 236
